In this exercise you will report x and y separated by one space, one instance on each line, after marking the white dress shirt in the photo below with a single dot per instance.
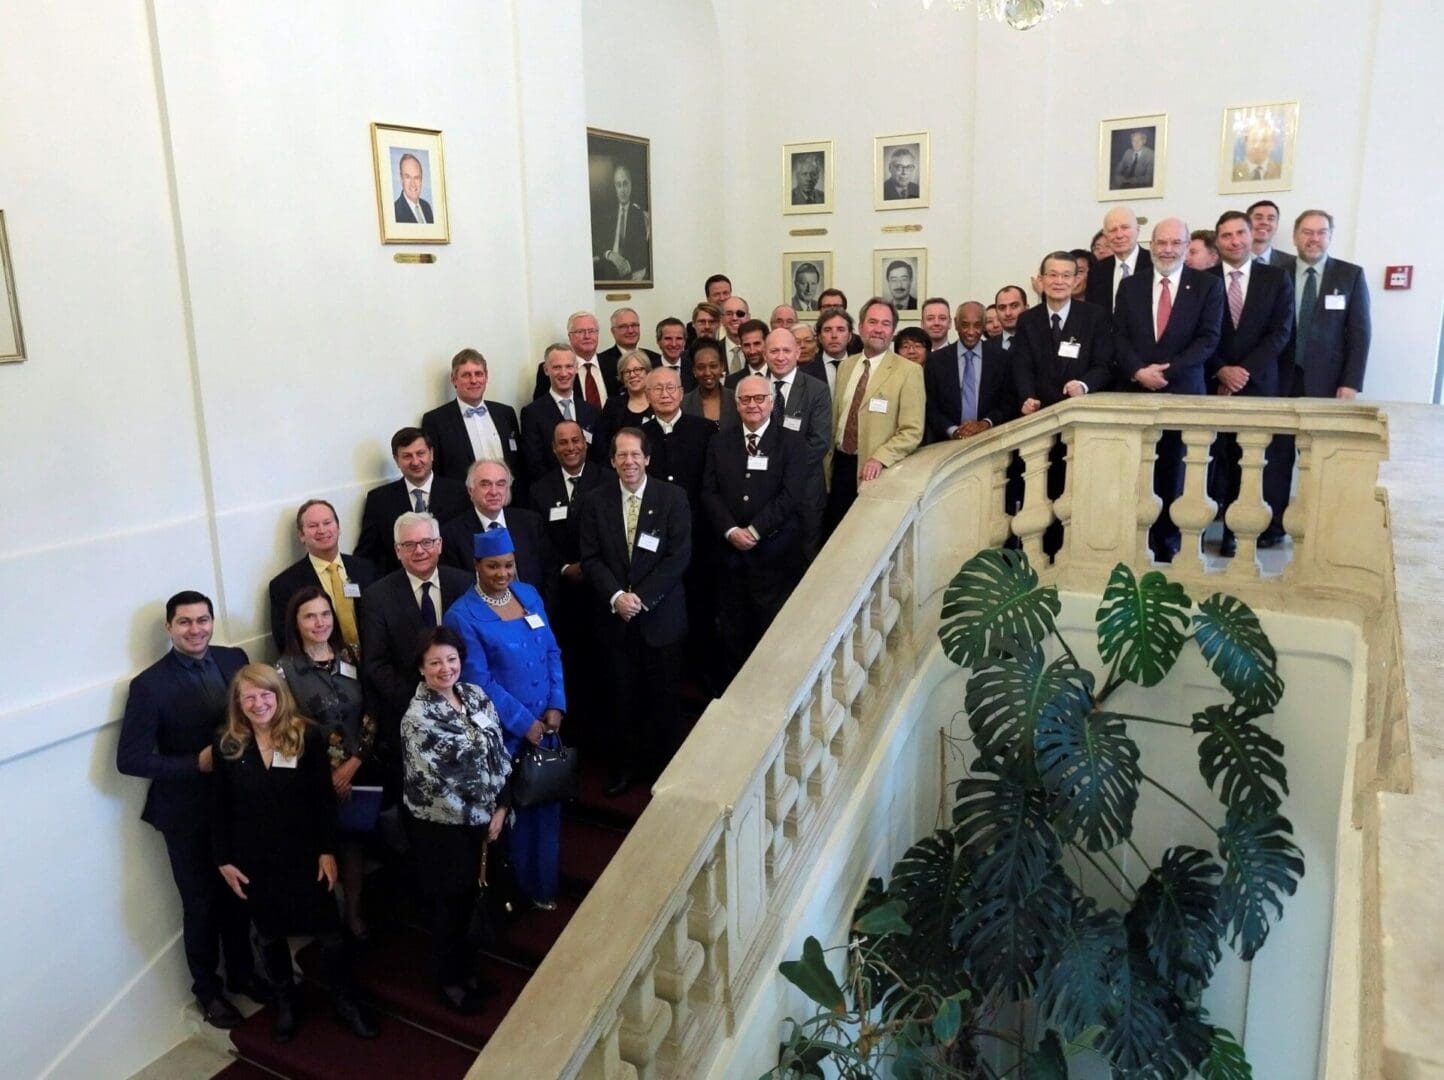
485 439
580 390
416 584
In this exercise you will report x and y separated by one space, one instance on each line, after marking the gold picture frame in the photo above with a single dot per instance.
398 154
798 284
12 339
911 187
906 292
807 177
1132 154
1256 148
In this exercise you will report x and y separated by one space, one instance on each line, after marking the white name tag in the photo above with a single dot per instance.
1334 302
281 761
480 719
348 670
1069 350
588 436
351 589
877 404
758 463
511 443
558 513
792 423
534 620
649 541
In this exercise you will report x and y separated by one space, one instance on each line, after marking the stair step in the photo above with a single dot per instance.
240 1069
527 940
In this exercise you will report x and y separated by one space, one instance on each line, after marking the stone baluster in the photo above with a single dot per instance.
826 719
1249 515
707 926
885 607
645 1021
1063 504
605 1061
868 640
1150 506
1296 517
804 756
1193 511
781 795
1037 513
848 680
1000 523
679 963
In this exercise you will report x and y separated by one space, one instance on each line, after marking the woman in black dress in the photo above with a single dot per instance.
274 835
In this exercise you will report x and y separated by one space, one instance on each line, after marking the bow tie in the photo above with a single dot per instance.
475 410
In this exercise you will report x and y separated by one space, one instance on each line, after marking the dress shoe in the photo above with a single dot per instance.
220 1013
351 1014
1270 538
1227 545
544 905
288 1016
255 988
461 999
619 786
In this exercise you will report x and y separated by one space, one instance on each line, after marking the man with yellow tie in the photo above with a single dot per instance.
341 576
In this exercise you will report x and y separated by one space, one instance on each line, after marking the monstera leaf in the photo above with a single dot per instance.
1175 915
1186 1048
1240 761
1226 1060
1007 698
1090 767
1048 1061
994 598
932 880
1238 651
1138 1022
1142 624
1261 866
1006 941
1003 828
1074 991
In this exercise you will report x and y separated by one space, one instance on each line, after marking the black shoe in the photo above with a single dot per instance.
619 786
255 988
1270 538
288 1016
350 1014
220 1013
1228 545
461 999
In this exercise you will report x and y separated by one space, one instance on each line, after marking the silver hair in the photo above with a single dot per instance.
410 518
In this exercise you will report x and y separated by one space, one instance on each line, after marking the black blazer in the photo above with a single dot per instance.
549 495
446 429
997 399
1264 328
1338 346
769 500
606 365
539 419
737 376
534 561
615 416
1190 339
681 457
388 502
1100 278
655 576
167 723
301 573
1038 369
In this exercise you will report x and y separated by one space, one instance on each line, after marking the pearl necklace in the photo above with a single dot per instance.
500 602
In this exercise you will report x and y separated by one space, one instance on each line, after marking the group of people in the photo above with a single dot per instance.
630 532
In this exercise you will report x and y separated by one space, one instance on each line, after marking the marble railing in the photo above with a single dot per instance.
681 932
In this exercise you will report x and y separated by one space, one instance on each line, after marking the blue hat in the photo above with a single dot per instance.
492 542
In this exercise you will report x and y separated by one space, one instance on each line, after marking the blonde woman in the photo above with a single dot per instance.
629 409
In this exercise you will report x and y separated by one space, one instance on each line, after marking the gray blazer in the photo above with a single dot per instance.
810 403
692 405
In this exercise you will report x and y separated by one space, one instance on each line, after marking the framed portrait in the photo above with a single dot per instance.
1131 153
410 185
620 181
1256 149
807 178
901 171
12 341
900 275
805 274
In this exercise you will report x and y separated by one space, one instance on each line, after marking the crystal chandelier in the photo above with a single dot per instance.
1019 14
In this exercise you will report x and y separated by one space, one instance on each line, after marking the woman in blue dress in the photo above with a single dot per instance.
512 655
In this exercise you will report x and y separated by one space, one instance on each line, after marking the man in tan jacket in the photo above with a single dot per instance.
877 411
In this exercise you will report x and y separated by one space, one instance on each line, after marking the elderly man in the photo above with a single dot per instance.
1120 228
902 175
594 384
968 387
343 577
419 489
784 317
735 312
626 326
1134 169
804 406
489 483
1258 161
806 174
621 251
557 403
470 428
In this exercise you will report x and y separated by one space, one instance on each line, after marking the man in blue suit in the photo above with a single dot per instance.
173 711
1166 326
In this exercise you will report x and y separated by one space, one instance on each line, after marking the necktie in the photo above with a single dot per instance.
493 525
1306 312
1123 270
428 607
970 385
752 444
213 687
1165 308
779 406
1057 331
344 605
621 230
589 386
1007 342
1258 172
849 430
566 404
571 489
475 410
1235 296
634 509
418 500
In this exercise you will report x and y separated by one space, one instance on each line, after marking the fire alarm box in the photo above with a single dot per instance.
1398 277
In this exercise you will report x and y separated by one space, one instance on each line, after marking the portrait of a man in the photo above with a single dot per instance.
898 276
410 184
1262 154
807 179
901 170
1132 154
1256 152
1133 166
902 174
806 185
806 286
805 274
410 207
621 209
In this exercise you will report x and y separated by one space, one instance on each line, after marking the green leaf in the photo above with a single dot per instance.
1185 1048
1240 761
1007 697
1048 1061
948 1021
1261 866
1226 1060
1006 941
1075 992
1142 624
812 977
1238 651
1176 915
994 598
1090 767
883 920
1137 1023
1003 828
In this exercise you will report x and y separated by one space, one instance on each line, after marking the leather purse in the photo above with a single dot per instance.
543 774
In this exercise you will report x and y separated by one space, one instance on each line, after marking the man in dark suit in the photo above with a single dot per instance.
1256 328
981 367
636 543
716 289
489 483
1263 218
621 246
1134 167
672 340
830 298
1010 303
902 174
806 174
472 428
595 381
419 489
803 406
835 337
1120 227
343 577
1166 325
626 328
171 716
559 402
751 337
899 277
410 207
806 280
397 609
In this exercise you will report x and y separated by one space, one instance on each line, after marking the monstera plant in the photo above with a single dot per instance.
985 932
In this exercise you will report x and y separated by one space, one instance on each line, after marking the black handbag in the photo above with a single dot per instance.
543 774
497 900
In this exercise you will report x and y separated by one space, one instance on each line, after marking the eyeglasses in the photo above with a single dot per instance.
420 545
666 388
627 326
753 399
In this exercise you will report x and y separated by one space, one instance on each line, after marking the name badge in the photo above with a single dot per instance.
534 620
282 761
1334 302
587 435
1069 350
480 719
352 590
792 423
649 541
511 443
758 463
558 513
877 404
348 670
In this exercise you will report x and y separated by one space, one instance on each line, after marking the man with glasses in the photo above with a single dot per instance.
902 175
626 337
419 490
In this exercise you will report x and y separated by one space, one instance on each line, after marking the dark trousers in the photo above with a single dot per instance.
1163 534
751 593
843 492
646 702
213 919
572 621
452 956
1278 472
335 963
1278 477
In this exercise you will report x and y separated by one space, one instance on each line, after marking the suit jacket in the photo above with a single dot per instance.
894 433
388 502
167 723
534 561
679 458
539 419
769 500
1134 169
891 191
1337 349
404 216
1243 171
606 368
446 428
1282 259
684 372
1190 338
615 415
1039 371
1264 327
804 198
300 574
997 400
1100 279
655 576
549 496
634 245
809 408
737 376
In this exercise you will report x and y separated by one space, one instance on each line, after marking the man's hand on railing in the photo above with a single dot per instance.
871 469
1151 377
1075 388
1030 406
1346 393
968 428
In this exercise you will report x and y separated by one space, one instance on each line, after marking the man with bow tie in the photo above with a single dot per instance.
470 428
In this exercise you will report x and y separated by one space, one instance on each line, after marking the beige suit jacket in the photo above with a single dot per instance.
894 431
